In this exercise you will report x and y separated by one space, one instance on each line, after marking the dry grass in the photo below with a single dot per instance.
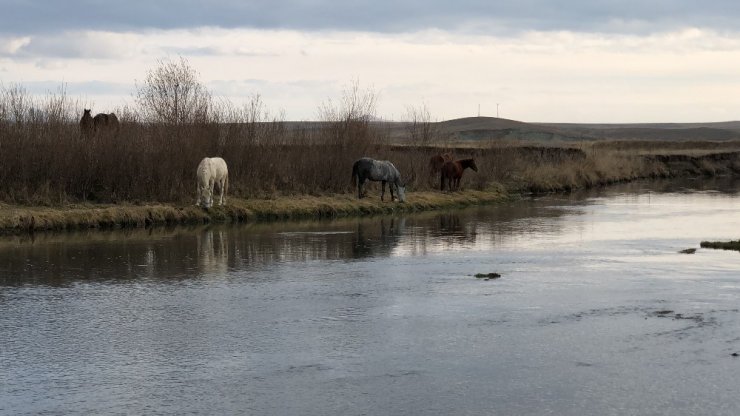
52 177
52 165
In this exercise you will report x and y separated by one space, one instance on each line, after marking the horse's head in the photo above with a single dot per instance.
473 166
87 112
401 188
205 200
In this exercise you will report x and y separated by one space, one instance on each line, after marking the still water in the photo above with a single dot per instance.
596 312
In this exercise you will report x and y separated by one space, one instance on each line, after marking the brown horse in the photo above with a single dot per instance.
86 124
453 171
437 161
105 123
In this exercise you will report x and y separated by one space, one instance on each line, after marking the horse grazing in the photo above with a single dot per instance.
113 122
86 124
211 173
437 161
105 122
378 170
453 171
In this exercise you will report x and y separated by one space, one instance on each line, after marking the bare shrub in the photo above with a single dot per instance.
348 121
421 129
172 94
16 104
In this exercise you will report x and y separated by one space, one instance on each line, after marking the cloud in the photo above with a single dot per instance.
200 42
78 88
215 50
11 45
69 45
472 16
535 76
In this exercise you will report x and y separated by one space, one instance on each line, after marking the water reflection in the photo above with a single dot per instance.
378 238
217 251
213 251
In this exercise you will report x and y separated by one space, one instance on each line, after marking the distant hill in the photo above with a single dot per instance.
720 131
475 129
482 128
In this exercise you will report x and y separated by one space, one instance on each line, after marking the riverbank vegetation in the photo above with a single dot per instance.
52 176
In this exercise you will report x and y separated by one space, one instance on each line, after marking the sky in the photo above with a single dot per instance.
580 61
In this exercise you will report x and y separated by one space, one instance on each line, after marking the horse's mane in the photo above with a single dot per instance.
204 171
465 162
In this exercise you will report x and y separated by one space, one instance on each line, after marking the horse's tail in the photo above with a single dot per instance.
355 173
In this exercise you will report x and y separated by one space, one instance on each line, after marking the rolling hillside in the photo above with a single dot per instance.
472 130
482 128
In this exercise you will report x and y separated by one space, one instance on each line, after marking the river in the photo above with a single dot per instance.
596 312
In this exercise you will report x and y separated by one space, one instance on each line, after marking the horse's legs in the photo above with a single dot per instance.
211 186
224 190
442 182
391 186
360 181
382 191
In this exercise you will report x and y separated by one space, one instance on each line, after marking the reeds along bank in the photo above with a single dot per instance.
44 158
47 164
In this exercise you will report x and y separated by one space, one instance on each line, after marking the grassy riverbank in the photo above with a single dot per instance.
561 174
17 219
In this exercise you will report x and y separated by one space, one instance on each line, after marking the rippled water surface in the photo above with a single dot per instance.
596 312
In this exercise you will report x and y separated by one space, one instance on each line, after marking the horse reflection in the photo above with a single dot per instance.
449 224
213 252
453 230
378 238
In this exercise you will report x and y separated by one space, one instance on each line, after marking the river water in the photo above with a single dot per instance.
596 312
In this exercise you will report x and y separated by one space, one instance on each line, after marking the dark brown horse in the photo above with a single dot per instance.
437 161
106 123
86 124
453 171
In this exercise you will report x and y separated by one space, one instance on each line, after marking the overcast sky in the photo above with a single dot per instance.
559 61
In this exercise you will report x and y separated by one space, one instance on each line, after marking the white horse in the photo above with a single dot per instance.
212 173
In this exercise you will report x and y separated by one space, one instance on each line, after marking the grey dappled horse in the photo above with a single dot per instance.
378 170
